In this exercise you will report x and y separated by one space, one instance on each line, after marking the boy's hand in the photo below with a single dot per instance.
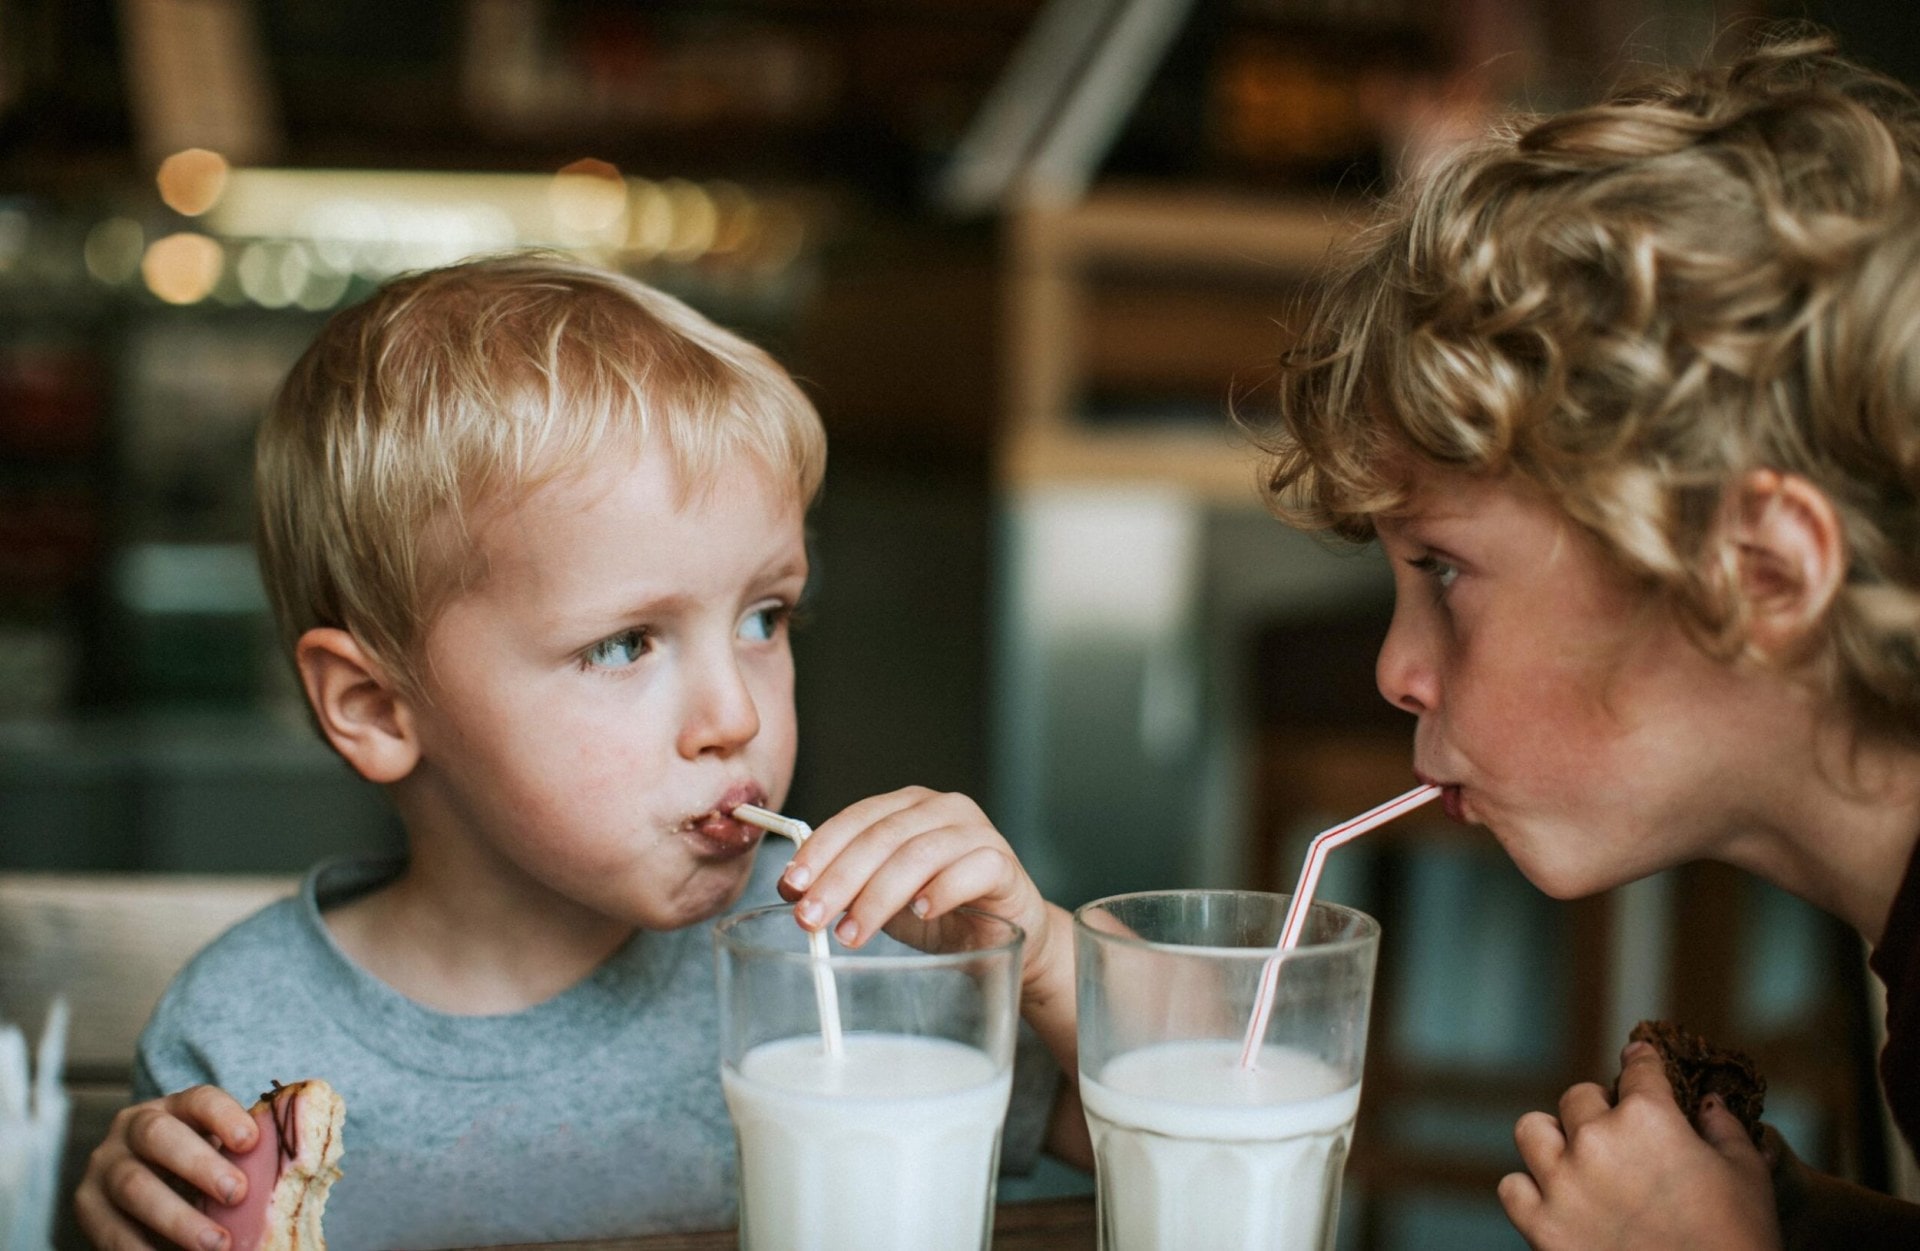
1636 1175
921 850
152 1152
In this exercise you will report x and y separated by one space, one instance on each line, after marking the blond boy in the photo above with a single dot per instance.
533 535
1628 396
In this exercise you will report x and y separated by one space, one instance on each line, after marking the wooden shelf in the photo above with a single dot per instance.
1188 228
1164 293
1206 461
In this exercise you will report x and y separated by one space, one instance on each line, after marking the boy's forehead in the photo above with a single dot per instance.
1436 494
1431 492
681 483
598 539
469 540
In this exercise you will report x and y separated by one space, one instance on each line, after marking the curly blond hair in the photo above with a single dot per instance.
467 386
1632 305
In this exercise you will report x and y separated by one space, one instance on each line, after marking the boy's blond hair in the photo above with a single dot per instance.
468 386
1631 304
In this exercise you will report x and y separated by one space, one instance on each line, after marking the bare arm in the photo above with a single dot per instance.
1819 1211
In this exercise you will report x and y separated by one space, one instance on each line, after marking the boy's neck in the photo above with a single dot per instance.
466 944
1844 832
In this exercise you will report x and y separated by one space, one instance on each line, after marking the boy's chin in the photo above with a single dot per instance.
711 890
1560 881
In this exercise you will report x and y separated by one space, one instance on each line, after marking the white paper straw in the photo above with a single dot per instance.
50 1057
1296 921
16 1078
826 996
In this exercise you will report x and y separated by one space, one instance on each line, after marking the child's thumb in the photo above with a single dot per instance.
1723 1130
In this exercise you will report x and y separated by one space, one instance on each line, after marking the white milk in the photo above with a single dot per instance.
892 1144
1195 1151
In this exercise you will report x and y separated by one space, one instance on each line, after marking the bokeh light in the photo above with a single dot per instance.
780 240
191 181
113 250
273 273
649 220
589 198
734 214
182 268
695 221
325 287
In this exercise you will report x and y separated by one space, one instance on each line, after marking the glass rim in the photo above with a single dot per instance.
1369 931
724 937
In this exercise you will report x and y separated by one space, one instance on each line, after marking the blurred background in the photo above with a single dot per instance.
1026 255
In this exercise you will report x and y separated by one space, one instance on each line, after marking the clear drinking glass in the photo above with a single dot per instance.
895 1140
1192 1149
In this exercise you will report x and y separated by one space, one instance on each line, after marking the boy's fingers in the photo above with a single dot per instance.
831 837
1774 1149
1520 1196
1643 1074
213 1109
835 883
884 876
104 1227
160 1139
960 876
976 875
844 826
140 1194
1540 1140
1581 1104
840 871
1724 1131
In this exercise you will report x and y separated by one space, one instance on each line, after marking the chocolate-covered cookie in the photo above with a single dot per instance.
1696 1068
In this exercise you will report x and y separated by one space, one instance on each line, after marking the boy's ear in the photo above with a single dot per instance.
362 714
1790 558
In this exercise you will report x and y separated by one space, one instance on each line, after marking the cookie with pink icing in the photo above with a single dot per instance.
293 1163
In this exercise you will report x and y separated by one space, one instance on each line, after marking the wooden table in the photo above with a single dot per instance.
1042 1225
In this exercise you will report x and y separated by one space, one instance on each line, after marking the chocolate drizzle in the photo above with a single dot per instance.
285 1113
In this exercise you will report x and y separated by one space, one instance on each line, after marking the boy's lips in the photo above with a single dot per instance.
1452 800
716 834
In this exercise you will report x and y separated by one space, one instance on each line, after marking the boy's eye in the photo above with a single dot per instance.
1439 571
618 650
762 624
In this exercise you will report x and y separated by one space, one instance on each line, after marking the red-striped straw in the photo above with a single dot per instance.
1323 842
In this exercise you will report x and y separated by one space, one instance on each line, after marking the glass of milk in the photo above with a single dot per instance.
894 1140
1192 1148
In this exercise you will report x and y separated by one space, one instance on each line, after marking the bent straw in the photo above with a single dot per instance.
1296 921
825 997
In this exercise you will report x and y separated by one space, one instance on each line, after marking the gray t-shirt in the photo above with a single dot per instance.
594 1114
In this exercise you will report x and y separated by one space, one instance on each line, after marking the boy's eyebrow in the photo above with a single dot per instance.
1434 509
1430 517
667 603
780 569
600 616
1426 530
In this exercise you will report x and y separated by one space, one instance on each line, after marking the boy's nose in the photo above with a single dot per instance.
1403 671
721 715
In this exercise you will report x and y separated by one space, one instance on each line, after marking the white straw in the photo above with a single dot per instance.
1296 921
50 1057
826 996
